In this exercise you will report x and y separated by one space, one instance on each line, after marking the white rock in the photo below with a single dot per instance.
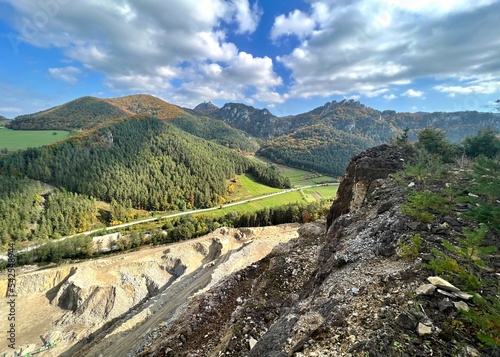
423 330
472 352
426 289
445 293
252 342
460 305
443 284
462 295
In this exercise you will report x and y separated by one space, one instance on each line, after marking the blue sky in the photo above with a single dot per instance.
288 56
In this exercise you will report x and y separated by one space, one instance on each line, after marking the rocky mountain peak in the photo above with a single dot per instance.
206 107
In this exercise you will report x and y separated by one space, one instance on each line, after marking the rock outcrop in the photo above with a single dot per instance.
362 175
344 293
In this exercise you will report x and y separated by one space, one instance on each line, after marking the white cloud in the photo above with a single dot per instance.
10 109
411 93
68 74
365 46
295 23
247 17
166 48
472 87
390 96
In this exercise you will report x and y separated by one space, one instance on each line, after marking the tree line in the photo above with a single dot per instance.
143 163
30 212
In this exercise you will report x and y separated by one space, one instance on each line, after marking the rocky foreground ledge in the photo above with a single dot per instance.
340 289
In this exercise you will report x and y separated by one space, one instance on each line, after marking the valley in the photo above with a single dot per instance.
151 221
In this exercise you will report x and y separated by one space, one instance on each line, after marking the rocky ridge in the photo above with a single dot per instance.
346 292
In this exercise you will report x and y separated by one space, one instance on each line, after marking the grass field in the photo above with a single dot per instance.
245 187
322 192
298 177
273 201
22 139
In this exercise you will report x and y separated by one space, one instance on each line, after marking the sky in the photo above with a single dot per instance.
288 56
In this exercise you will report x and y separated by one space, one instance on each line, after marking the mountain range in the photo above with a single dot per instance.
323 139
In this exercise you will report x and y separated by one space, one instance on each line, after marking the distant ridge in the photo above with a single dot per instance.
88 112
322 139
82 113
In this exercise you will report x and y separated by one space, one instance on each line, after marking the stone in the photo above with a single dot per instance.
472 352
462 295
460 305
445 293
443 284
425 289
423 330
413 225
252 342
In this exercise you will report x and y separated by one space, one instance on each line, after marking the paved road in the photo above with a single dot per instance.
124 225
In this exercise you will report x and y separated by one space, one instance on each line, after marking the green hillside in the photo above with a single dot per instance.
82 113
21 139
318 148
216 130
28 211
140 162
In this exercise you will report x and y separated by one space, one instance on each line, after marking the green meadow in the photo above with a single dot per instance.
21 139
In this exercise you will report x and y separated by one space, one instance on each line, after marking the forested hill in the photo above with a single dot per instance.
88 112
2 119
146 104
141 162
82 113
325 138
316 147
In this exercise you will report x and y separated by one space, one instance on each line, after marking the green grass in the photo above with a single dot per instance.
252 206
298 177
246 187
22 139
322 192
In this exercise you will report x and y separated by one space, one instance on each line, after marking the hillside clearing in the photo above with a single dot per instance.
298 177
23 139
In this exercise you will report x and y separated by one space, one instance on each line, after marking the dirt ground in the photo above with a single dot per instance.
38 319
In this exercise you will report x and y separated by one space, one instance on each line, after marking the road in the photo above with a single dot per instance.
124 225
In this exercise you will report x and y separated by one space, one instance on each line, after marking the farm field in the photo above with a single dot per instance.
298 177
322 192
273 201
245 187
21 139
